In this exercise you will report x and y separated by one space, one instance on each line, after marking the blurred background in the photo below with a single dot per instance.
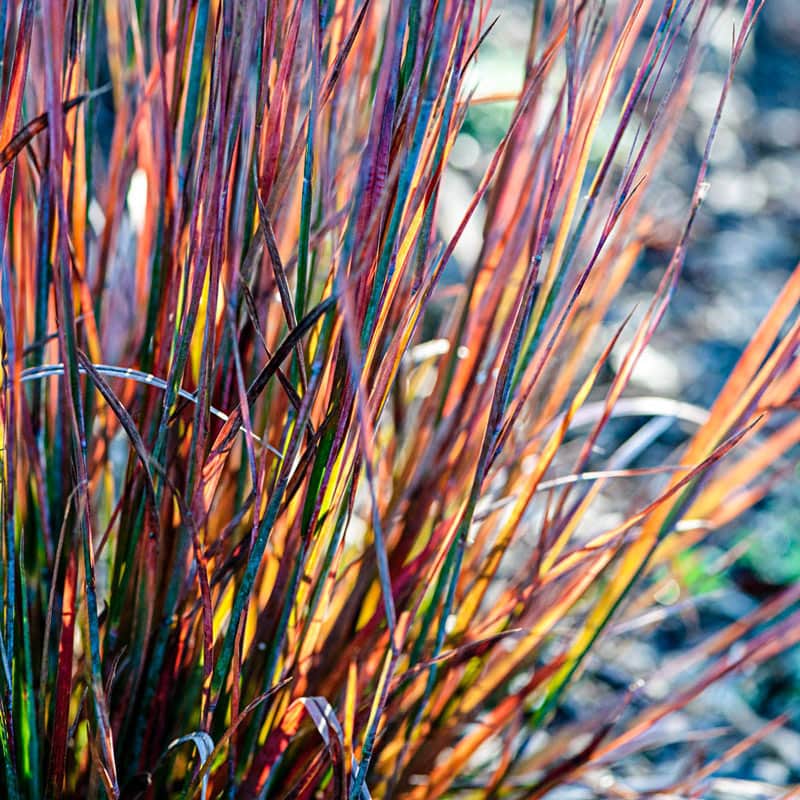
745 243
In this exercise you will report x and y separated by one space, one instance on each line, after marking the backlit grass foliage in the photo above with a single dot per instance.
286 514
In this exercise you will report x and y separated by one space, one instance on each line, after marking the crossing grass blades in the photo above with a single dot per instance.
287 512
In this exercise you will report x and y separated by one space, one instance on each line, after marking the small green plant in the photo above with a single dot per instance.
283 514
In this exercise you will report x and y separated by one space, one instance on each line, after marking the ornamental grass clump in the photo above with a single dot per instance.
288 510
